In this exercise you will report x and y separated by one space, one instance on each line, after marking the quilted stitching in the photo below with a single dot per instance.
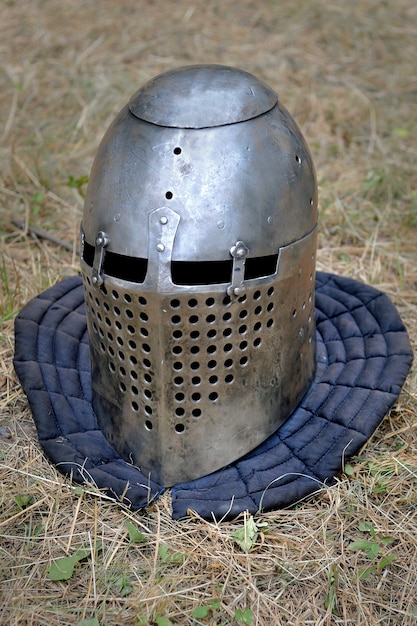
363 356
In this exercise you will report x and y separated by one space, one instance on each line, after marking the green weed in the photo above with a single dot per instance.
247 536
374 547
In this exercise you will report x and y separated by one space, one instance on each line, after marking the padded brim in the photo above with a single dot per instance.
363 357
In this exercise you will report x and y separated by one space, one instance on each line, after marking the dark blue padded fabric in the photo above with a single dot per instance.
363 357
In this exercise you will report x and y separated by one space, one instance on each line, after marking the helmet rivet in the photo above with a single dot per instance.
94 279
163 220
99 241
160 247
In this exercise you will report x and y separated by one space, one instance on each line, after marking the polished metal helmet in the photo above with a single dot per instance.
198 261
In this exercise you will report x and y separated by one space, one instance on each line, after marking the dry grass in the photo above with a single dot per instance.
347 73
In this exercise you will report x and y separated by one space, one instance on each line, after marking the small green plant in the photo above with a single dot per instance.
36 203
63 569
78 183
247 536
168 557
373 548
163 621
205 610
244 616
24 500
123 586
135 536
333 580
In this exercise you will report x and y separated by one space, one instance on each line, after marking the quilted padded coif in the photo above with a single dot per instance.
363 357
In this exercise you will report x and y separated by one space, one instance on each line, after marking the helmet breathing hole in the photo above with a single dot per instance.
148 425
177 150
179 428
196 413
213 396
169 195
